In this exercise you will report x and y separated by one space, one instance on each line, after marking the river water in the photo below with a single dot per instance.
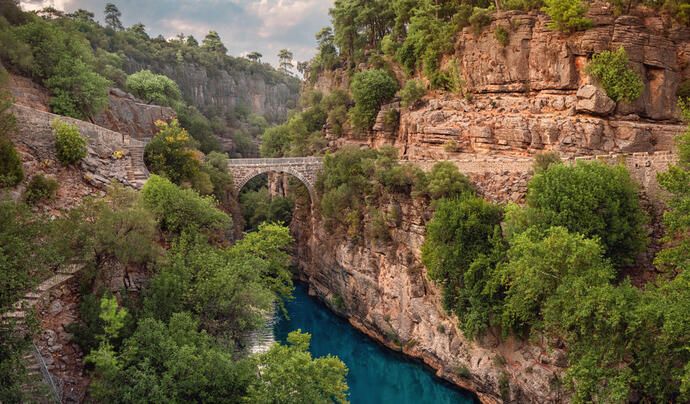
376 375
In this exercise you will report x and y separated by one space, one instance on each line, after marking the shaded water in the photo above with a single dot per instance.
376 374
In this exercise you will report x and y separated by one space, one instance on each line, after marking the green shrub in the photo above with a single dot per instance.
370 89
451 146
40 188
69 145
179 210
502 35
392 119
412 93
543 160
613 71
155 88
683 91
11 172
594 200
462 371
446 181
567 15
479 19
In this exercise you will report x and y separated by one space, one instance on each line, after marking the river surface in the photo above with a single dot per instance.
376 374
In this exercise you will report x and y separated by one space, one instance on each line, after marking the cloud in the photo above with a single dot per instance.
276 16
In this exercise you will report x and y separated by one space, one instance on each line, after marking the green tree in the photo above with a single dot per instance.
154 88
285 57
613 71
213 43
179 210
594 200
539 264
169 362
567 15
112 17
289 374
370 89
461 230
8 122
255 57
101 234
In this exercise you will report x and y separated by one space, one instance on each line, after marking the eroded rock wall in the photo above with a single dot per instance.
386 295
225 91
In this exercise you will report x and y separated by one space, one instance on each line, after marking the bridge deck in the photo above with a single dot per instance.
274 161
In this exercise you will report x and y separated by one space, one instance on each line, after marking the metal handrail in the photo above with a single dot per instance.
47 378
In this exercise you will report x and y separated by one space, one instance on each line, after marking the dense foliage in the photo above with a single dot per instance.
355 183
567 15
618 79
259 207
11 172
182 337
179 210
593 200
154 88
58 57
70 146
370 89
553 270
301 134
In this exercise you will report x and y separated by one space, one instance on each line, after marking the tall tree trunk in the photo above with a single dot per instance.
498 5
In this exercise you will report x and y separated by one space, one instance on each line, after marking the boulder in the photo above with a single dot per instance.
592 100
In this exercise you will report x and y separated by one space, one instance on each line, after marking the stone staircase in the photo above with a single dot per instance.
35 365
137 173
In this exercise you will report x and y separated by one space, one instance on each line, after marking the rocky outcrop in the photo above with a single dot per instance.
222 90
537 59
111 156
131 116
591 100
28 93
515 125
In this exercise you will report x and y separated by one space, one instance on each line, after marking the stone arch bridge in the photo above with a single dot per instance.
306 169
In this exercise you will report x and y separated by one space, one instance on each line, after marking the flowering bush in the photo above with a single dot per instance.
171 153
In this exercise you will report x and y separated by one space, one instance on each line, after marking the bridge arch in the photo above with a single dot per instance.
305 169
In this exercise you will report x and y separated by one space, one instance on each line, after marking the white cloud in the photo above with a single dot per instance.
276 16
32 5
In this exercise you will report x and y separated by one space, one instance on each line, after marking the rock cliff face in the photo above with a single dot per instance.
386 295
529 96
132 117
224 91
533 94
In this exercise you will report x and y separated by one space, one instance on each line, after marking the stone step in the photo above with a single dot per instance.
53 282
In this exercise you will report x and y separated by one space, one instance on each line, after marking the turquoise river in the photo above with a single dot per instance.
376 374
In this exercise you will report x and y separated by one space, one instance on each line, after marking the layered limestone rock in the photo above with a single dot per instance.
224 91
538 59
534 95
387 295
511 124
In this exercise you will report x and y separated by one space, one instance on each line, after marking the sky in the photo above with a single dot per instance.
244 26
